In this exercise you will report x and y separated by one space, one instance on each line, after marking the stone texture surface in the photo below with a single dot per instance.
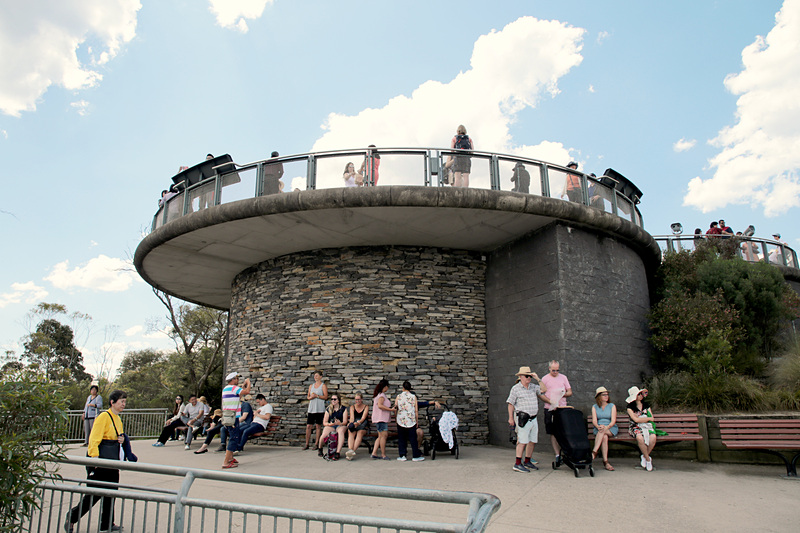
568 294
359 315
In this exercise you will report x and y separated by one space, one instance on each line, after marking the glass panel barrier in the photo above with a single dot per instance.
201 196
624 207
559 185
294 176
520 177
775 254
600 196
474 168
238 185
158 219
397 169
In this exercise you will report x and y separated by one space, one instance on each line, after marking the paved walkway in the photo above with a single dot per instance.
677 495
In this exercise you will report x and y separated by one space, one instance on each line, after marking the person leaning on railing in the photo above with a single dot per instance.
94 404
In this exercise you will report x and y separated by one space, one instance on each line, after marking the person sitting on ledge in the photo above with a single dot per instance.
335 421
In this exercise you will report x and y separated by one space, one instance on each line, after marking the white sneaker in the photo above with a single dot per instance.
420 458
644 462
350 454
186 447
649 466
402 458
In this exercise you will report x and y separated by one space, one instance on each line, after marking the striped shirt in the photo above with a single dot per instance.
230 399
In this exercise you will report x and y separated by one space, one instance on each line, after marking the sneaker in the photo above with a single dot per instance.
644 461
530 466
520 468
350 454
237 452
221 448
420 458
402 458
158 444
532 461
649 466
187 447
558 460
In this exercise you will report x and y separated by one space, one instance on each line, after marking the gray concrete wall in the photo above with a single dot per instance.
569 294
359 315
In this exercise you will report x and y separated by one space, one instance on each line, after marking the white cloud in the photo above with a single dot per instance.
682 145
232 13
591 88
133 330
102 273
81 106
4 133
759 160
511 70
40 42
602 36
23 292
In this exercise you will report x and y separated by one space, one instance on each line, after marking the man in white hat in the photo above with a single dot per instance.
523 406
232 396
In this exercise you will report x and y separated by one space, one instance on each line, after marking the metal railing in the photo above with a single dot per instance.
148 509
752 249
138 423
399 166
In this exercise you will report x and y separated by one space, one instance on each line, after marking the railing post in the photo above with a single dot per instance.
217 189
545 180
584 189
260 179
764 252
614 208
186 201
494 173
311 172
179 522
368 168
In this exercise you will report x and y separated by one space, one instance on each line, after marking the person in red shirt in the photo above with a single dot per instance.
714 229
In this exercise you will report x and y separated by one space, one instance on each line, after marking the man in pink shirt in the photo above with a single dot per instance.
554 382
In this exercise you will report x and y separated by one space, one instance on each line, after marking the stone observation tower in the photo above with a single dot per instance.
409 278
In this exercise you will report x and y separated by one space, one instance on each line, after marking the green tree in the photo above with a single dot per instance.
745 305
51 346
199 334
33 425
145 371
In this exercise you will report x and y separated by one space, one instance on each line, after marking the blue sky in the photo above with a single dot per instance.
697 102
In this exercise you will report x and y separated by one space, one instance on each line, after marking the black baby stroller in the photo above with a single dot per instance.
435 442
569 429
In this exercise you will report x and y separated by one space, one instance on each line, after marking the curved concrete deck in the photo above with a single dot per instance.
197 256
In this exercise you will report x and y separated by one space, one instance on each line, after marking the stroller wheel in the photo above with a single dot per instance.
591 471
433 453
576 473
456 449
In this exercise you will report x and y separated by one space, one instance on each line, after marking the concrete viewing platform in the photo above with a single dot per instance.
676 496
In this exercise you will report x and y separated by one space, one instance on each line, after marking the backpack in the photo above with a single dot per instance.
332 441
462 142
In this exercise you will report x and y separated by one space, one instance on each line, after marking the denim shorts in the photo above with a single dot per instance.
382 426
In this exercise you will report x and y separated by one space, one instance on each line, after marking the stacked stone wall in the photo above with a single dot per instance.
360 315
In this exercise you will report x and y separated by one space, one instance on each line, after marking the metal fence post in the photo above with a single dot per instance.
178 524
545 180
311 173
494 172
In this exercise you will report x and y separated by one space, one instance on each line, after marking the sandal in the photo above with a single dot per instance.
594 455
230 465
608 466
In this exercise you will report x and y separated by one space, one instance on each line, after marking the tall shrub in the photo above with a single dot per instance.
33 424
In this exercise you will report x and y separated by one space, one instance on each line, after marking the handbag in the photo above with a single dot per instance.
523 418
228 418
108 448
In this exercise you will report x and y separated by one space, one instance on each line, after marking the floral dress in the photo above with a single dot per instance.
405 410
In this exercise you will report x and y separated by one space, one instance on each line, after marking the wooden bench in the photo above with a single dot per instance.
373 433
767 435
272 425
679 427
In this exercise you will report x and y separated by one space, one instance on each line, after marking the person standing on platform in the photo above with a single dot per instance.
557 389
105 442
232 396
94 404
523 406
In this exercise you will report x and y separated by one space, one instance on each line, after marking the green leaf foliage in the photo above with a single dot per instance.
32 426
712 300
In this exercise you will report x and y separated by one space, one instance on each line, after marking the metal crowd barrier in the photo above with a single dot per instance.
138 423
398 166
151 509
751 249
